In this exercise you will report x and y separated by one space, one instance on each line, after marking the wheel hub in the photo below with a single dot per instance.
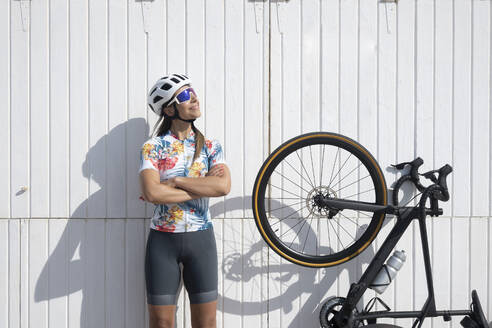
314 205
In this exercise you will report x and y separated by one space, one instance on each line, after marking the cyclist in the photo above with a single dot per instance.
179 170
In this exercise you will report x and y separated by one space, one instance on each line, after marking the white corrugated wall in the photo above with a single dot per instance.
406 79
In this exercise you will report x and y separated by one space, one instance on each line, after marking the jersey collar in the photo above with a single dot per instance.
189 138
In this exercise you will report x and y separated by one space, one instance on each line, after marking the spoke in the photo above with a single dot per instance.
336 233
285 190
349 219
321 167
353 183
291 181
309 230
333 168
345 229
287 206
317 230
300 160
299 173
288 215
299 231
350 172
329 184
359 193
329 239
312 164
360 212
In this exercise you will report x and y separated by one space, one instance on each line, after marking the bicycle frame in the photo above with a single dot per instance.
405 215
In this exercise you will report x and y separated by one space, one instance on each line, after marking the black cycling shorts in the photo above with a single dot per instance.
197 251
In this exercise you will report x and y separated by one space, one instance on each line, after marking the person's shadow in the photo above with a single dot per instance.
98 263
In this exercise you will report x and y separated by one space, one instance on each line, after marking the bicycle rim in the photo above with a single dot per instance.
290 178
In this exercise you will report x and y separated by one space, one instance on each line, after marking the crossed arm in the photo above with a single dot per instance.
217 182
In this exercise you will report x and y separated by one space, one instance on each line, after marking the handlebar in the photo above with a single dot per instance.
440 193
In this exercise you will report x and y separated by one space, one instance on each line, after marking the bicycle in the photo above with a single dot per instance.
333 205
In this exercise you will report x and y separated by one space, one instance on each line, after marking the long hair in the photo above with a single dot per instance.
164 124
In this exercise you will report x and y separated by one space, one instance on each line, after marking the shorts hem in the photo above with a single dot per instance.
203 297
161 299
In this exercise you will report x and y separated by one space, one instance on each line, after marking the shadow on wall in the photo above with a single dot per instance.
66 272
237 266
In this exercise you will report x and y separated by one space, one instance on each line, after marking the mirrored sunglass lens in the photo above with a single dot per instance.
184 95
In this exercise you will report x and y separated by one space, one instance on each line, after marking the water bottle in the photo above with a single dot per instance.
388 271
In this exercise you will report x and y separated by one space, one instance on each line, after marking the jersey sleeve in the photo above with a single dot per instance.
149 155
216 155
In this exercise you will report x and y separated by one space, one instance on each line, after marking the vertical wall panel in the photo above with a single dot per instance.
442 144
213 101
480 109
115 273
255 108
367 108
443 96
59 110
461 153
78 108
14 275
232 261
329 106
387 137
309 85
285 111
462 106
19 161
405 151
115 185
95 267
5 109
57 274
136 232
76 239
40 132
98 109
140 118
233 144
4 273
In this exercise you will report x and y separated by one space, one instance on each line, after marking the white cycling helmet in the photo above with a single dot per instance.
164 89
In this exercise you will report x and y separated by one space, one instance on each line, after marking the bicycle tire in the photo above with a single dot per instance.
292 145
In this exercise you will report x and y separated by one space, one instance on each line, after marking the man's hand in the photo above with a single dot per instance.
217 170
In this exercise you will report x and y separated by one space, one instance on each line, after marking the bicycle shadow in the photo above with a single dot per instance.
233 269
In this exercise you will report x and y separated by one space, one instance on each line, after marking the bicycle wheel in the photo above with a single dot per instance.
307 166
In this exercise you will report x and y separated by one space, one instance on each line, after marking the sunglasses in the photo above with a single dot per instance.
183 96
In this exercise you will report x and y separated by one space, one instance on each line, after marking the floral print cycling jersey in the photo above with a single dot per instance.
172 157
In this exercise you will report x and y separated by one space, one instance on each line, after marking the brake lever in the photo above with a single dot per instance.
430 175
414 164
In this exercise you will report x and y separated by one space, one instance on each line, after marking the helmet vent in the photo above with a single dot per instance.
182 78
157 98
151 92
175 80
166 86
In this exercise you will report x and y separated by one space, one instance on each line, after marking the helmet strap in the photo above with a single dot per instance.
176 115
